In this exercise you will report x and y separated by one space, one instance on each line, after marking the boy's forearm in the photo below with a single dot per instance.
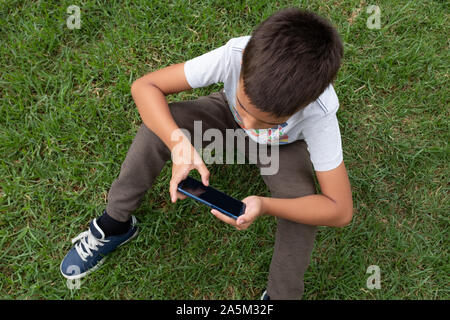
154 111
315 209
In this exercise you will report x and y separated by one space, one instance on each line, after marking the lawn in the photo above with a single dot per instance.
67 119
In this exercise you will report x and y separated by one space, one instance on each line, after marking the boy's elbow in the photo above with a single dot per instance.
345 218
134 87
141 84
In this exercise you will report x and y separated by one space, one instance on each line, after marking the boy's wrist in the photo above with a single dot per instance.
177 139
264 205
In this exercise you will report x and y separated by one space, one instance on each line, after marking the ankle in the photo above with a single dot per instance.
111 226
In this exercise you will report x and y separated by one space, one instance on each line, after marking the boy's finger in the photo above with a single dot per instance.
204 172
223 217
240 221
173 189
181 196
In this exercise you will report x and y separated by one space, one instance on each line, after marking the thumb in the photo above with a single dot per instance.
241 220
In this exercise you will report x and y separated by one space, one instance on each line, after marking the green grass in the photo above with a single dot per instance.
67 120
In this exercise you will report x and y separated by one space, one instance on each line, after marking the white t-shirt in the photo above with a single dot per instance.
316 123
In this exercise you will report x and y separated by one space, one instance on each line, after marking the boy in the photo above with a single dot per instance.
277 88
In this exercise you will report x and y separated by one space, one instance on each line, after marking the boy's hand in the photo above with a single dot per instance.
185 158
253 209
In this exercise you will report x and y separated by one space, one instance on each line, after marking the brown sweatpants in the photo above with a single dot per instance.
147 156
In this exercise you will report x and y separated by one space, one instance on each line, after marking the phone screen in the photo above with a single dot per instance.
212 197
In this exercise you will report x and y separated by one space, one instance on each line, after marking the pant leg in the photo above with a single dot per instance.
293 241
147 154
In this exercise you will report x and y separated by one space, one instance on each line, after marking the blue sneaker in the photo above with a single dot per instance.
90 249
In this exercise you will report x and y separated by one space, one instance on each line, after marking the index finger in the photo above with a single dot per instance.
204 173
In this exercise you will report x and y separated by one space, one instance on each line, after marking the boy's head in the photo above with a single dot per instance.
291 58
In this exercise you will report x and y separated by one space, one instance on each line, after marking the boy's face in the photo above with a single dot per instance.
252 117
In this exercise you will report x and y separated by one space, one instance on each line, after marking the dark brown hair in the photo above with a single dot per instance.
290 60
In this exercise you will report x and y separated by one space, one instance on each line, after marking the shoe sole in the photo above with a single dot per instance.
99 263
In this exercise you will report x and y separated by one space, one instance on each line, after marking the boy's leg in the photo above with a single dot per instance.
147 154
293 241
144 161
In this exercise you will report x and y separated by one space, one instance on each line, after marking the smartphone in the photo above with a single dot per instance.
212 197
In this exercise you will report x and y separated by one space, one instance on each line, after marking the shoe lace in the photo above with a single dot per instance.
87 244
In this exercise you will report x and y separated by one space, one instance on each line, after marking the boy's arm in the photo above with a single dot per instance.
149 94
334 207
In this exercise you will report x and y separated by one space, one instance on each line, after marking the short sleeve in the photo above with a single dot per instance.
323 137
209 68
